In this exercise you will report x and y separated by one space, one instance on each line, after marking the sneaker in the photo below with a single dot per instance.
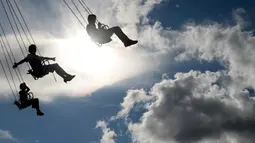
130 42
68 78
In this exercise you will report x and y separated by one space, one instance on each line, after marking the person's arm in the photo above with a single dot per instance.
20 62
99 25
92 31
27 89
48 58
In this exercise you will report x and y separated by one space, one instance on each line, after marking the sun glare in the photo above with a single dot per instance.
82 55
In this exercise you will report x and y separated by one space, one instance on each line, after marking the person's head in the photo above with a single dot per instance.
32 49
92 18
23 86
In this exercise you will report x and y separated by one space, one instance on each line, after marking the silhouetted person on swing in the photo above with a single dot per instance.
25 100
40 70
102 35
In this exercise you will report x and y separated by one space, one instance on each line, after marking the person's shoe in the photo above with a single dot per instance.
130 42
39 113
68 78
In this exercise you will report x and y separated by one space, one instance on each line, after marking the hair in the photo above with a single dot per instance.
22 86
32 48
92 17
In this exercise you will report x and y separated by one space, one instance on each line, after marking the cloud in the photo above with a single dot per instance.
194 107
230 45
133 97
6 135
136 10
108 134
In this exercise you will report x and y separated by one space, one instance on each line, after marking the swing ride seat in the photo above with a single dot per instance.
20 106
104 38
36 75
23 106
98 41
102 41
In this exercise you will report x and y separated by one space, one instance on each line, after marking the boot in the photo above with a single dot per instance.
68 78
39 113
130 42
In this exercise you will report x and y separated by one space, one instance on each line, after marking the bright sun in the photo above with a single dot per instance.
82 55
93 66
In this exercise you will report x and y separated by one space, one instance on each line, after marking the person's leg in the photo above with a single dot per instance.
60 71
35 104
122 36
107 32
57 69
119 33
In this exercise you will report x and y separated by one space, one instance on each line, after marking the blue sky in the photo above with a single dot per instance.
73 119
198 10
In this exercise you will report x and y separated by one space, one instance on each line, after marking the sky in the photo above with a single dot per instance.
189 79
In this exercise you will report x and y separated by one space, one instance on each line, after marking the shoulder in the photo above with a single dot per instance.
29 56
90 27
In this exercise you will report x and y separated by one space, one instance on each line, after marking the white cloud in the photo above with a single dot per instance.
196 107
200 107
6 135
108 134
238 16
228 44
133 97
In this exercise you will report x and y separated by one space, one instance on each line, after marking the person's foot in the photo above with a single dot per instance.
68 78
130 42
39 113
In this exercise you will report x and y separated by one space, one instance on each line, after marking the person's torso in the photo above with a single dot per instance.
101 36
23 96
35 62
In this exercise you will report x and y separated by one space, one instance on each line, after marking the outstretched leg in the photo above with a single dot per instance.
122 36
60 71
35 104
